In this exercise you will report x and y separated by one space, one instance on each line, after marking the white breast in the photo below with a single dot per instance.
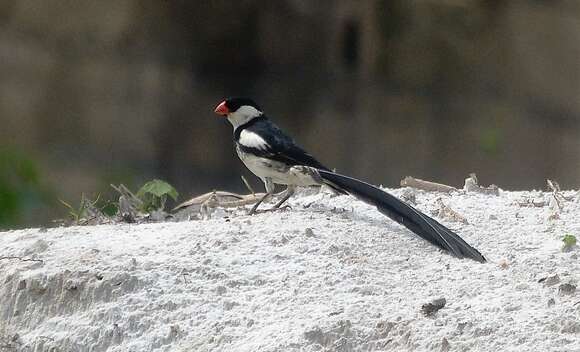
264 168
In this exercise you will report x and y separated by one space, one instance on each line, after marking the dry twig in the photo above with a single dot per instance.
426 185
532 203
247 184
222 199
556 200
557 197
446 212
471 185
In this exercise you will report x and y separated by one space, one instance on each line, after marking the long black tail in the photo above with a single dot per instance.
404 214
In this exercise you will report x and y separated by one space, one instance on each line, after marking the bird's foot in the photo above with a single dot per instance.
283 208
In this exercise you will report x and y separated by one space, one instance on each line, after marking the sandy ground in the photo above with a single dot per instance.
331 274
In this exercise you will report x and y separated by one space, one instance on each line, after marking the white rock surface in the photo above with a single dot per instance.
332 274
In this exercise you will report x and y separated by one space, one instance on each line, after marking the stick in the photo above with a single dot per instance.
248 185
426 185
471 185
445 211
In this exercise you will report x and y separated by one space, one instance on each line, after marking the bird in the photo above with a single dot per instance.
276 158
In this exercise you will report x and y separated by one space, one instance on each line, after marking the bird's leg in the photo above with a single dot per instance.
255 207
290 190
270 187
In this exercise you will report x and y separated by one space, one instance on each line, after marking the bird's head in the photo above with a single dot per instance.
238 110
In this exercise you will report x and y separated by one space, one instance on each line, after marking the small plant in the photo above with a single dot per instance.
154 195
109 208
129 207
569 242
80 213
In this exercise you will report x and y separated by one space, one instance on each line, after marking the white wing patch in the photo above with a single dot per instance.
252 140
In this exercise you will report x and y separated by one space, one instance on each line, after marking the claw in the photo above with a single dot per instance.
283 208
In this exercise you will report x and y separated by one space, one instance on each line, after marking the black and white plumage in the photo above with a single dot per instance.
276 159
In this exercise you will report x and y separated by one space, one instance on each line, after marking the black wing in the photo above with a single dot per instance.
280 146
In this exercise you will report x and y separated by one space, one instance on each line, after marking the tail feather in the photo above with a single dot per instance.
421 224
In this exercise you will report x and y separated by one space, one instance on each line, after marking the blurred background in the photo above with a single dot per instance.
123 91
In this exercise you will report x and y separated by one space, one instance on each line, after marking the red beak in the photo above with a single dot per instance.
222 109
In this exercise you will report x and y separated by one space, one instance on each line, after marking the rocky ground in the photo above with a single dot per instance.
330 274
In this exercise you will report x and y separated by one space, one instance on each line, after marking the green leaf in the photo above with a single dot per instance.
154 194
158 189
110 208
569 241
